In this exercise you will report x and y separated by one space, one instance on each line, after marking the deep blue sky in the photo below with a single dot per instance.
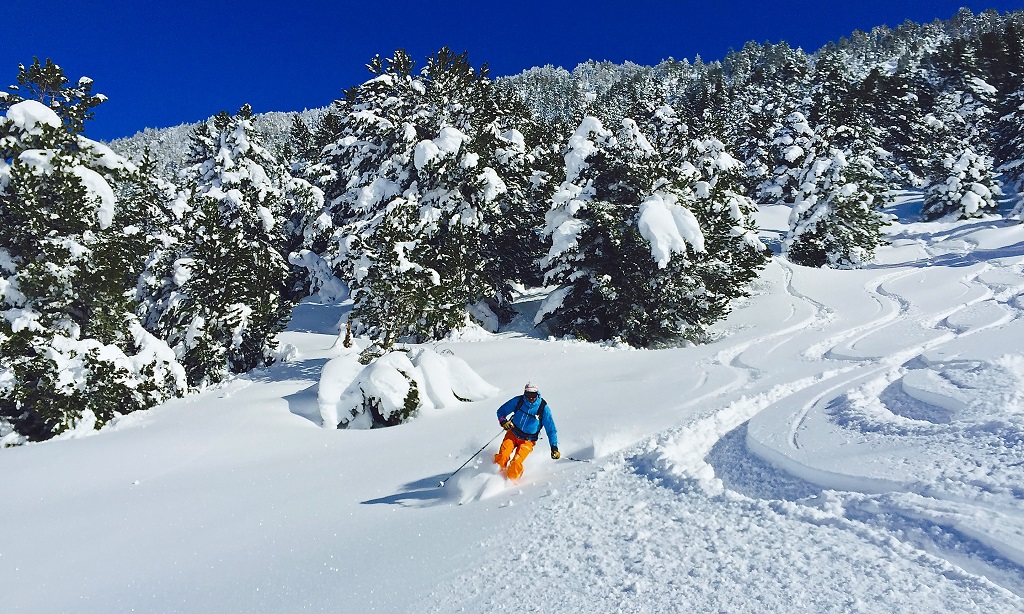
166 63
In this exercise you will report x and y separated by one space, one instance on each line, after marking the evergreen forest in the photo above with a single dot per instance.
431 195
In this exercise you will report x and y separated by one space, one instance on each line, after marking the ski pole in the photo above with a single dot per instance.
470 458
569 458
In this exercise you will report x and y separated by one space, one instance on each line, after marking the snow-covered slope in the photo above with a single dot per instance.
851 441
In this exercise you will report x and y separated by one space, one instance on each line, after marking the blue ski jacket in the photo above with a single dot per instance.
526 422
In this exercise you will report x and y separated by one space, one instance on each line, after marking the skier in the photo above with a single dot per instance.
522 417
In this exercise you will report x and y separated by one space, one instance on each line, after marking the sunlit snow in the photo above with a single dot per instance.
849 440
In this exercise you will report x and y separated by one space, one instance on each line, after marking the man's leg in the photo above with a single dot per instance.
515 468
508 445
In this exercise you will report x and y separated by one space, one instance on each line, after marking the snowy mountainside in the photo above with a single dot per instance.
169 147
848 441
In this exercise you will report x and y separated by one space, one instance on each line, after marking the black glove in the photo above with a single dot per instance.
555 455
507 425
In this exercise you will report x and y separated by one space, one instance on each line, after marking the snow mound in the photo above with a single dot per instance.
385 392
335 377
395 387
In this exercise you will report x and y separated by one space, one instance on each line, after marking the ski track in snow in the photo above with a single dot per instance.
962 530
693 549
636 545
842 459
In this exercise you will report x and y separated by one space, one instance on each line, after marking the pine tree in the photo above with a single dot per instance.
967 103
733 253
713 182
429 225
306 223
525 152
968 187
709 101
899 108
1000 55
769 83
223 292
72 354
598 255
837 220
1009 151
789 147
840 100
47 83
302 143
752 138
961 179
628 249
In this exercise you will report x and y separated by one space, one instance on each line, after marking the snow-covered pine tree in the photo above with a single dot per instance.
165 207
627 249
709 101
1000 53
961 90
963 184
496 181
72 354
414 182
768 83
357 173
961 178
306 229
1009 151
630 97
306 224
301 144
789 145
668 133
525 152
837 100
712 181
853 114
222 292
897 108
837 219
757 121
733 253
47 83
598 256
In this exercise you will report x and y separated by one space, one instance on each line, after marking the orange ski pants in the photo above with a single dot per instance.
515 449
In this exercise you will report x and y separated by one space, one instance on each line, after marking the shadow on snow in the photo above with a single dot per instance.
415 494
